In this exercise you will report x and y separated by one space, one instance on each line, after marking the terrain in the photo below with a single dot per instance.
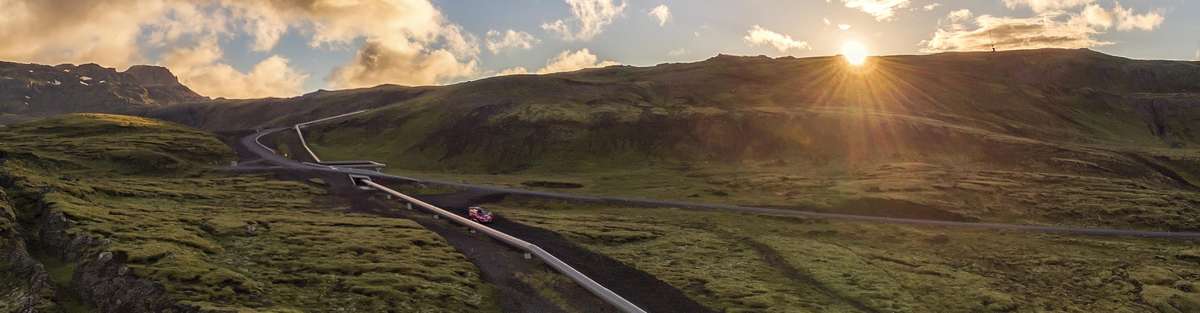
181 210
32 90
1069 137
124 214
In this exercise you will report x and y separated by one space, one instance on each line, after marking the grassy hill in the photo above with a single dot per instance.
123 214
962 135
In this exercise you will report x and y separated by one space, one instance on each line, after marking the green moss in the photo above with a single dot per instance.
747 263
228 243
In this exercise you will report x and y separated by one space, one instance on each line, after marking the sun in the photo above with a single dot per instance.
855 53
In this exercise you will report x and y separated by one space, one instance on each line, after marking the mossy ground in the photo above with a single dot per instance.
747 263
229 243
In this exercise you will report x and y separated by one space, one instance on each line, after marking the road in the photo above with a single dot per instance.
251 142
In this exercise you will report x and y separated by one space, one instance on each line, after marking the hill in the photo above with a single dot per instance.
948 132
31 90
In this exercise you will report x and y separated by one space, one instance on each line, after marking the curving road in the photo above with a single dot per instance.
251 142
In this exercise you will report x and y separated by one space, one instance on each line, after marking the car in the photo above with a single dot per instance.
479 215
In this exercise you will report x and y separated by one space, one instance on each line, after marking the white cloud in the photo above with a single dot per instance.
565 61
200 68
882 10
1050 31
104 32
513 71
762 36
959 16
497 41
117 33
1124 19
381 62
403 41
1054 28
677 52
1041 6
590 15
931 6
844 26
826 20
661 13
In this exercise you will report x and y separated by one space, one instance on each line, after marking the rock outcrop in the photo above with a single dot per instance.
101 278
40 90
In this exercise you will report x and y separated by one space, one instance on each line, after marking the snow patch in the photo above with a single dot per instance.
55 82
27 97
83 83
66 70
85 78
102 82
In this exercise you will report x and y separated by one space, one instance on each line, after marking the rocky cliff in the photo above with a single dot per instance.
39 90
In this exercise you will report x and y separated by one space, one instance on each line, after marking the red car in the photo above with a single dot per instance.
479 215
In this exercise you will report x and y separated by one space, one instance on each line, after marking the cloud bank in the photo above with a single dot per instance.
396 41
1053 28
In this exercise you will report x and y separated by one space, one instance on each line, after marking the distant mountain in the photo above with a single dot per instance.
28 90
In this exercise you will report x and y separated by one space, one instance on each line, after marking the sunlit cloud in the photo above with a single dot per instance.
958 16
1122 18
200 68
569 61
589 17
762 36
1047 31
565 61
1041 6
118 33
661 13
104 32
882 10
931 6
403 41
844 26
381 62
1052 29
510 39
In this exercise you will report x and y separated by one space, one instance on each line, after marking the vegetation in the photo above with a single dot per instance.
748 263
227 243
1022 136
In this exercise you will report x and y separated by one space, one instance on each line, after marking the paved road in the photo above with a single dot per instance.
251 143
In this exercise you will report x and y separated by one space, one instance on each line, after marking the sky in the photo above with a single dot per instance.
282 48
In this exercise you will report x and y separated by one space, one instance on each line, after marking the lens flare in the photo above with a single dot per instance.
855 53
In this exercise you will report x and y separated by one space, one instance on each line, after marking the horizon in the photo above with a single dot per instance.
238 50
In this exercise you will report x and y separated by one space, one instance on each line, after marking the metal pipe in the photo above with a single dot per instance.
562 267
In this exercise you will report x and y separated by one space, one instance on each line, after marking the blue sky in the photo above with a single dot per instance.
285 48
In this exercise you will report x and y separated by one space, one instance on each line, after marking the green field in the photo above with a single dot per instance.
748 263
145 191
1017 137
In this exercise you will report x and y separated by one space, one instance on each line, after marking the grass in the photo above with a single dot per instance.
954 133
746 263
228 243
